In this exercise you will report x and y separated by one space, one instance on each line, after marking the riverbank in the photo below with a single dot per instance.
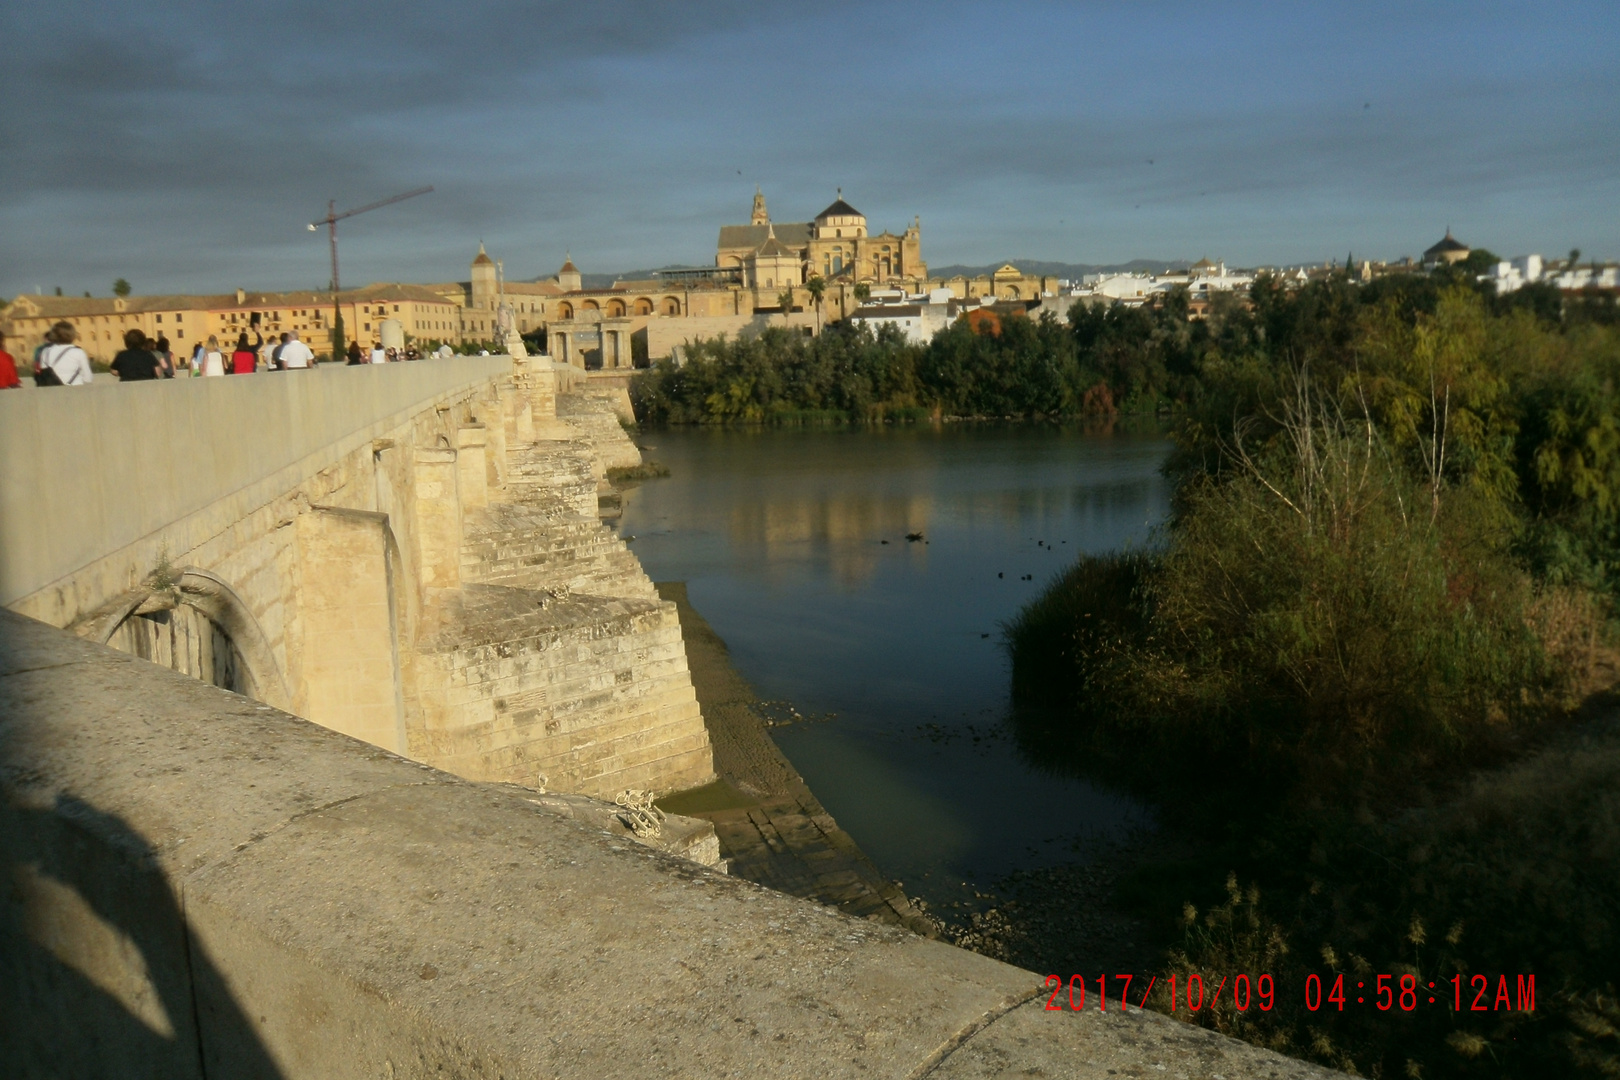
771 827
775 832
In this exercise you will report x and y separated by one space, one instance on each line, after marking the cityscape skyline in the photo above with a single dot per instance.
185 149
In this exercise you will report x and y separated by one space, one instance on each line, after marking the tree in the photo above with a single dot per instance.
338 344
816 287
784 300
863 292
59 290
120 287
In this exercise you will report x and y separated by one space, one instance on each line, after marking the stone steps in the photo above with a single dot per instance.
507 545
591 692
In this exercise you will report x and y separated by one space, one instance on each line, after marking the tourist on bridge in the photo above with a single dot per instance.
245 356
135 362
213 361
165 357
354 355
267 355
378 354
60 362
295 355
8 368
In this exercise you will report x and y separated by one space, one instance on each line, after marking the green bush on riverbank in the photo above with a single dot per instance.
1015 368
1383 587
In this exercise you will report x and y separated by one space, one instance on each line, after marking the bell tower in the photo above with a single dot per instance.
760 216
484 285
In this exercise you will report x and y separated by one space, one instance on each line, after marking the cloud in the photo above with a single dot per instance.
185 145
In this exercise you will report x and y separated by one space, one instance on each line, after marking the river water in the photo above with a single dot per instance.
793 546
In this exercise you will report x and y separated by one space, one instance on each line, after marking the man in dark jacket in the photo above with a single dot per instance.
135 362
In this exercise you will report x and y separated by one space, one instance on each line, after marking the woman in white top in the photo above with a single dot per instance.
67 360
212 362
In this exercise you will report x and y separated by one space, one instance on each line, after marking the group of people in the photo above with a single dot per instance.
60 362
379 355
286 354
57 361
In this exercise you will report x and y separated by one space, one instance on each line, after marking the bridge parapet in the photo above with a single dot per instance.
95 468
201 885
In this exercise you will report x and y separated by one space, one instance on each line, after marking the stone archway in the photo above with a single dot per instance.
644 306
200 627
615 309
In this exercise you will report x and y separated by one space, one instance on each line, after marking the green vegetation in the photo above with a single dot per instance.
120 287
647 470
1028 369
1346 671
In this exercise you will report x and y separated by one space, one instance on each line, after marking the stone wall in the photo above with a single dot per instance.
200 885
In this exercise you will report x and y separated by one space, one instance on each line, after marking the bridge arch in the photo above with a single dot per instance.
203 628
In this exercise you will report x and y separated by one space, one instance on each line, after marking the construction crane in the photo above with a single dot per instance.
330 221
333 217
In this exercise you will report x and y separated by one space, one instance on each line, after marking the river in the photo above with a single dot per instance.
793 544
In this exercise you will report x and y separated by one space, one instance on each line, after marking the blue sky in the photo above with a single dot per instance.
184 146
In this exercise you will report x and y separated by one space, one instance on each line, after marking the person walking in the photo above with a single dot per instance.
135 362
212 362
295 355
165 358
8 369
354 356
243 358
62 363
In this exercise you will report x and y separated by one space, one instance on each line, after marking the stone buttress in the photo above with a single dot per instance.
550 661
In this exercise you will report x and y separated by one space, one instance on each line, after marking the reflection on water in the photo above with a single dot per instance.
793 544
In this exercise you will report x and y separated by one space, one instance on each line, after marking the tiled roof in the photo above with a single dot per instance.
793 234
839 208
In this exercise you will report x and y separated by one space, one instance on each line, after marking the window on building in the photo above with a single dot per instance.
160 318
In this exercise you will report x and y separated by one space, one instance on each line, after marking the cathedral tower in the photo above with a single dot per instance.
760 216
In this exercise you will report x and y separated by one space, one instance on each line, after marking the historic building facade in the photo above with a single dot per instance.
836 246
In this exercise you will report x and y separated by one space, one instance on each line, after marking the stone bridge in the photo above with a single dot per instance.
410 555
200 882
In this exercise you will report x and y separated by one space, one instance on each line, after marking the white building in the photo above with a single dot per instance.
1200 280
918 317
1510 275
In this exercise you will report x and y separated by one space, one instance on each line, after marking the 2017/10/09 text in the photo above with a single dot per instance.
1386 993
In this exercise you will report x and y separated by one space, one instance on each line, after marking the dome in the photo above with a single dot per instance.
839 208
